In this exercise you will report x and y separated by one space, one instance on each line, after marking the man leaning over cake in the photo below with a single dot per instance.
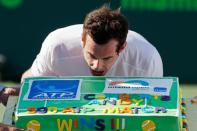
101 46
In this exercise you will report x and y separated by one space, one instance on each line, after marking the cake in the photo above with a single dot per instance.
100 103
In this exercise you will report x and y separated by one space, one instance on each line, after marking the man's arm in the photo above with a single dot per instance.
4 127
5 92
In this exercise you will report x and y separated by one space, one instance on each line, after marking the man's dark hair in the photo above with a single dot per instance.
104 24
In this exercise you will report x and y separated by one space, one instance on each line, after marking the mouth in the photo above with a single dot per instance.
97 73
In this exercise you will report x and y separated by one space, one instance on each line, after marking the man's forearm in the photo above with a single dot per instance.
6 92
4 127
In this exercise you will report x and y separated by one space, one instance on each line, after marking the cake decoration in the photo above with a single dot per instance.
52 110
148 109
117 124
148 125
123 124
33 125
137 102
42 110
112 124
112 102
31 110
183 113
61 125
162 109
101 103
165 98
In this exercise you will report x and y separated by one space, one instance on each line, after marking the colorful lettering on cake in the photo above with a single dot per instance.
94 102
90 124
100 125
52 110
75 123
162 109
145 96
101 99
31 110
124 99
137 102
156 97
84 122
42 110
148 109
85 110
123 124
62 124
112 102
65 110
113 110
77 109
165 98
135 109
117 124
117 110
127 110
89 97
94 96
100 96
112 124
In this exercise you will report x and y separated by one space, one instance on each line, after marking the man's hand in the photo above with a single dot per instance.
6 92
4 127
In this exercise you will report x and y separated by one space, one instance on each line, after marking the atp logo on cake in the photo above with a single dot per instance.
54 89
33 125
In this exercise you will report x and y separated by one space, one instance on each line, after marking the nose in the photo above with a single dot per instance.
97 64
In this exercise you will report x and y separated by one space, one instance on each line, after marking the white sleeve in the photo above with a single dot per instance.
156 65
42 65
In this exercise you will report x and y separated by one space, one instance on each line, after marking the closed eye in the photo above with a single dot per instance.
92 56
107 58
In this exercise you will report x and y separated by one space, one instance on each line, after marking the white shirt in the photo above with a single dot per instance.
61 55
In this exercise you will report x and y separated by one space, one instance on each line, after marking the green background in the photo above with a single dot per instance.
24 27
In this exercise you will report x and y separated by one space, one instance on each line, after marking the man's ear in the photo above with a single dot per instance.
123 47
83 39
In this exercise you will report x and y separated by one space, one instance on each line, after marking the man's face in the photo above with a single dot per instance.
99 58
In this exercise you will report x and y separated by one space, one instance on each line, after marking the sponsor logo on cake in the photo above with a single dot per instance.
160 89
130 84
